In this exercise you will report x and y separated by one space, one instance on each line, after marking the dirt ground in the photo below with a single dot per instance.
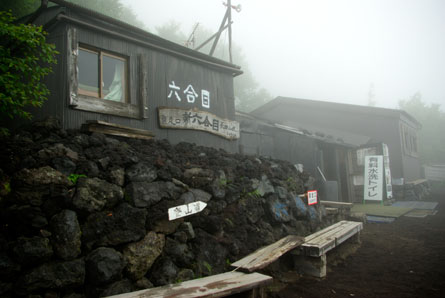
405 258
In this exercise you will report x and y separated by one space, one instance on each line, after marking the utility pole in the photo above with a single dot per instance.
227 19
229 9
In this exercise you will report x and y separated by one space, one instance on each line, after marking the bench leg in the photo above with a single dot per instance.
259 292
356 238
311 266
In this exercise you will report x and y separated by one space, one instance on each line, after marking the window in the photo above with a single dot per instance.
102 75
99 80
409 140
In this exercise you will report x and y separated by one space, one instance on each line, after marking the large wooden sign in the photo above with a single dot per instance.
373 178
198 120
185 210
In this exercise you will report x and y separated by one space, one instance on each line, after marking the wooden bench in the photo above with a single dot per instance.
219 285
417 182
334 207
310 257
266 255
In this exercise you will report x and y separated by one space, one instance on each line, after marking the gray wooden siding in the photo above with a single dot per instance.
258 139
162 70
379 128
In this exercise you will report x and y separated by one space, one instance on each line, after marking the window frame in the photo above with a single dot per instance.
130 108
101 53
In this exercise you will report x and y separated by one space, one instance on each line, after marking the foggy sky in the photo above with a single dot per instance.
330 50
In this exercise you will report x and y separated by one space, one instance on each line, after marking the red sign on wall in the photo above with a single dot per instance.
312 197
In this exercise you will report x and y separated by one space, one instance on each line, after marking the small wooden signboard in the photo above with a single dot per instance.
185 210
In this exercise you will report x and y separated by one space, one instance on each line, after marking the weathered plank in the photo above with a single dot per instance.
143 84
266 255
336 204
105 106
416 182
331 210
72 55
116 130
330 237
212 286
323 231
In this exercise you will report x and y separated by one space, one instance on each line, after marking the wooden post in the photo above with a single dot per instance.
73 53
229 10
221 28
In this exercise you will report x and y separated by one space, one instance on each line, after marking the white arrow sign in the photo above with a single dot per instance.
185 210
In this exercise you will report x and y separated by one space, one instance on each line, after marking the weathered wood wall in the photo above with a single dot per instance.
162 69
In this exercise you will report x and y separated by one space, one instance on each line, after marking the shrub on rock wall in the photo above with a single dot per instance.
25 58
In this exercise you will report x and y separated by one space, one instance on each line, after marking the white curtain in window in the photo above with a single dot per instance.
116 87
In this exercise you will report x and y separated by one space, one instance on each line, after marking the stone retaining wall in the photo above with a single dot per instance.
86 215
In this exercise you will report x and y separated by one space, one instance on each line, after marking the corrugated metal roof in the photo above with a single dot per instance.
328 136
333 106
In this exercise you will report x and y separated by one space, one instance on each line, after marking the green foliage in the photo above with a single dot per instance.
222 182
74 177
208 267
431 140
24 60
292 185
229 222
255 194
4 132
5 188
127 197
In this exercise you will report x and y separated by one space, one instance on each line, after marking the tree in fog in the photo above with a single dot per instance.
431 141
112 8
248 94
20 8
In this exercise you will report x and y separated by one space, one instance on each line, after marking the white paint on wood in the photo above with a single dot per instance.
185 210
